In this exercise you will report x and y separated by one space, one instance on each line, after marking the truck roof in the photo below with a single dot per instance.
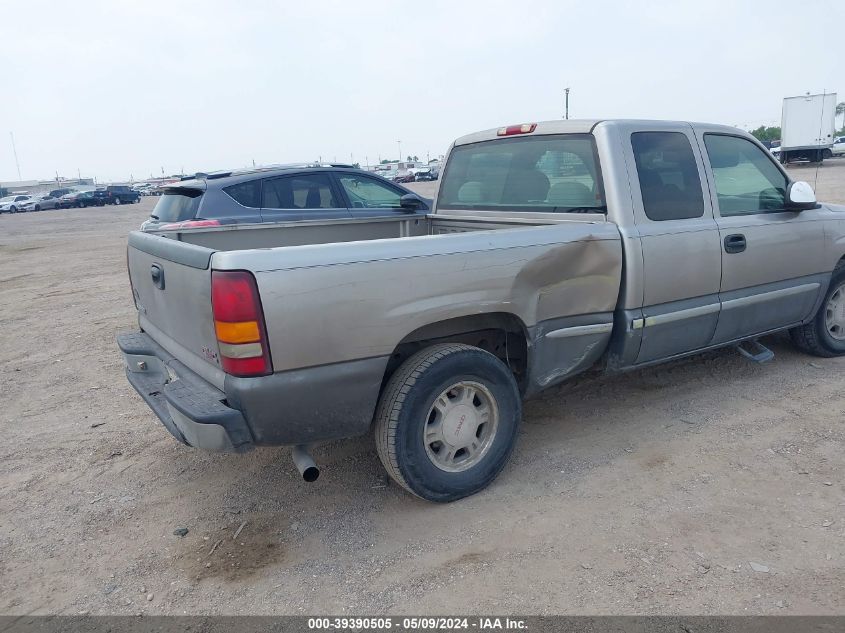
578 126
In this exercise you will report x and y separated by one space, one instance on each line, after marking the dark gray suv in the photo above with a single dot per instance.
284 193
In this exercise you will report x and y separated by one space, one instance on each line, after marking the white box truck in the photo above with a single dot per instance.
807 127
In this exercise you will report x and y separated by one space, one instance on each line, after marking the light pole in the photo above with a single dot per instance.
15 152
399 143
566 93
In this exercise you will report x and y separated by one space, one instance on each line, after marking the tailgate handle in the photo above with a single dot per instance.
157 273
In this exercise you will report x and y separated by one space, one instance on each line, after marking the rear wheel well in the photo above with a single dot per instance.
500 333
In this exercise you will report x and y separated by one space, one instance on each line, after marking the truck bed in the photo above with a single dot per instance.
340 292
273 235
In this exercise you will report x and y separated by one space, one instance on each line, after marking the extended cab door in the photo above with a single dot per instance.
679 240
772 259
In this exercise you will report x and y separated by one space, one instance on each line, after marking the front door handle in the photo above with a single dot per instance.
735 243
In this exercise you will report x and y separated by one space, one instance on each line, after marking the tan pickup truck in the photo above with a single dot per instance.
551 248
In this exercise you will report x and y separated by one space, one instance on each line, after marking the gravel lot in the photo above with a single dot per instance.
710 486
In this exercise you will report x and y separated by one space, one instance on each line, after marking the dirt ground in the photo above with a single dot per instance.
708 486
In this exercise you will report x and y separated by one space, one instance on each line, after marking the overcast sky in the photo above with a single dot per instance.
127 88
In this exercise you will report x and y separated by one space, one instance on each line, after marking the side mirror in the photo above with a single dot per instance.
411 202
800 196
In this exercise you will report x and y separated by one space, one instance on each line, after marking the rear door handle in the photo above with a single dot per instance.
735 243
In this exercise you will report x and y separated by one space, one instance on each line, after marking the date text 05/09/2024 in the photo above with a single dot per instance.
418 624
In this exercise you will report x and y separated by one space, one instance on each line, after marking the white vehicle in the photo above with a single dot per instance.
838 148
40 202
13 204
807 128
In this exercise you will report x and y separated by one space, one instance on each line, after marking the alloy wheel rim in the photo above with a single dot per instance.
461 426
834 314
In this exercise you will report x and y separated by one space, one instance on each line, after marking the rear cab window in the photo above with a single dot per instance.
177 204
550 174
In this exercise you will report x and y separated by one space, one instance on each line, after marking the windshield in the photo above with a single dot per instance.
543 173
177 205
8 199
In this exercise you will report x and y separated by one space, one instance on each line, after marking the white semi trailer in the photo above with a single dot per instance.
807 127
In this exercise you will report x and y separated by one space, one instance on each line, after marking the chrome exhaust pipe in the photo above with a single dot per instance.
304 463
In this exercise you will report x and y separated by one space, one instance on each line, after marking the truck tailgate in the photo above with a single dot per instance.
171 283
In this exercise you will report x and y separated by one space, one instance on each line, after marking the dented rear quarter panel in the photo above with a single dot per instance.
332 303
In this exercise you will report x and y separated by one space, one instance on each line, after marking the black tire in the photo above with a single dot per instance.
405 410
13 209
117 200
36 208
827 154
814 337
81 205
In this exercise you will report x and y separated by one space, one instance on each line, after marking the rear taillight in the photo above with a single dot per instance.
525 128
189 224
239 324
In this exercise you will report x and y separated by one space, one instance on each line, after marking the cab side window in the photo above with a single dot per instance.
669 180
747 179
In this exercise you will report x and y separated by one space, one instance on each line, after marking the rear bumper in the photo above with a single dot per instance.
295 407
191 409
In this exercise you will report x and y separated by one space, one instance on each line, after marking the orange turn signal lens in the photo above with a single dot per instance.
242 332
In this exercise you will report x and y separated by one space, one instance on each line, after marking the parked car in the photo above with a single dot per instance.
13 204
670 238
838 148
407 176
41 202
424 175
121 194
297 192
58 193
80 200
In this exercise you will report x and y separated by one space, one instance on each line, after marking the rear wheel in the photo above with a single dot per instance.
447 421
117 200
825 335
36 208
13 209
